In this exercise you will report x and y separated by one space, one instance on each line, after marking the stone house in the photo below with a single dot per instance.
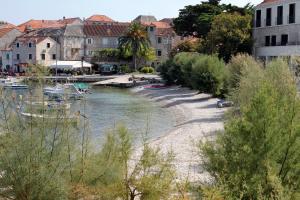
102 36
28 50
72 42
7 36
276 29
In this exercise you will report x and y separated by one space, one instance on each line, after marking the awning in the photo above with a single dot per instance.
70 65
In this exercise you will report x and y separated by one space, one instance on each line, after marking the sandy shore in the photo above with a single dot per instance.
197 118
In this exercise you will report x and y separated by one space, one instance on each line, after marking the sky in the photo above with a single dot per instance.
19 11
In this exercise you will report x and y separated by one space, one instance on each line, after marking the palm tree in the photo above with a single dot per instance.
135 42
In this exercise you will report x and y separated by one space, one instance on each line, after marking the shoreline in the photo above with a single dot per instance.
197 118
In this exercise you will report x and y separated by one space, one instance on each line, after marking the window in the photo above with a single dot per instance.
7 56
48 45
90 53
53 56
273 40
29 45
292 13
151 28
267 41
159 40
18 56
158 53
269 17
284 39
18 45
279 15
30 56
104 41
89 41
258 18
43 57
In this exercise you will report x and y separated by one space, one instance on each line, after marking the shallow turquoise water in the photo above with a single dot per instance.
107 107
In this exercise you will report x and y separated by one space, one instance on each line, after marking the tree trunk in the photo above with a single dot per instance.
134 62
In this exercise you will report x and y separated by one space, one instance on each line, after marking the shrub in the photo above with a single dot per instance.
147 70
171 72
239 66
125 69
255 158
185 61
208 75
201 72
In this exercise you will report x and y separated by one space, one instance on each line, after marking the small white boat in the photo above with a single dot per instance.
68 91
12 83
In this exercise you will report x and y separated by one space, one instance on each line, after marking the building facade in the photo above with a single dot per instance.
7 36
41 50
276 29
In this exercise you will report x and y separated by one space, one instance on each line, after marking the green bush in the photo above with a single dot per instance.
256 156
208 75
238 67
147 70
201 72
171 72
125 69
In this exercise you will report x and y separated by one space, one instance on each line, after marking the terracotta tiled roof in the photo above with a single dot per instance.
6 25
269 1
34 40
158 24
164 31
115 30
38 24
4 31
100 18
167 20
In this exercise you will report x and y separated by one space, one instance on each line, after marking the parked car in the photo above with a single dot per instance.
224 103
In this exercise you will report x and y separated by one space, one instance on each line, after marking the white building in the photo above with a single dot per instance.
277 29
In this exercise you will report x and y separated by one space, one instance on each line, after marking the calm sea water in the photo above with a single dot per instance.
107 107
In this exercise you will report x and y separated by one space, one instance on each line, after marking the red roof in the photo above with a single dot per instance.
158 24
114 30
33 39
100 18
38 24
6 25
164 31
4 31
269 1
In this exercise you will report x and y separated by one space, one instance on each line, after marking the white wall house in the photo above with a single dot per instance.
276 29
34 50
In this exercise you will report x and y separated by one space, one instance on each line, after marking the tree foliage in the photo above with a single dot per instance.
196 20
256 157
201 72
116 172
230 34
135 42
